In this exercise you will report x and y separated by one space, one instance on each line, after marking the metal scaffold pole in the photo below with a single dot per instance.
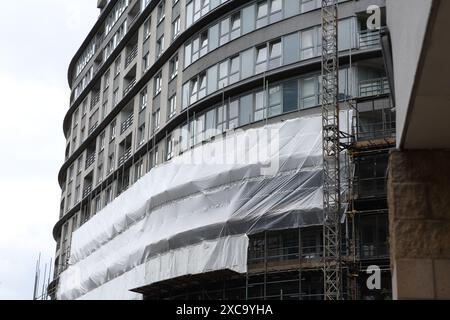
331 152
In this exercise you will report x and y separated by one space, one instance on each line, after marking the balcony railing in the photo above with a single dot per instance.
126 124
95 99
285 254
369 39
129 87
92 128
374 87
90 160
126 155
87 190
133 53
133 21
373 250
367 131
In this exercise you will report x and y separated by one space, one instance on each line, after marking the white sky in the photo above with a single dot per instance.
38 39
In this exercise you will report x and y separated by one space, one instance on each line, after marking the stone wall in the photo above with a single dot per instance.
419 216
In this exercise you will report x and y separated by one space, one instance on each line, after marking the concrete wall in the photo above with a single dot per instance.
407 21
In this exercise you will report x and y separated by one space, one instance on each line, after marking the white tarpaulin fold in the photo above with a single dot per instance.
194 214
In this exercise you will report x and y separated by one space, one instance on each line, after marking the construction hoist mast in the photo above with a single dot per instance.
331 152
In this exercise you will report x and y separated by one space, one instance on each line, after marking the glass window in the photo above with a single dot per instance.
184 137
214 37
275 54
234 69
346 35
290 95
210 123
145 62
309 95
246 110
176 28
143 99
275 6
173 67
235 25
221 118
160 46
233 114
156 156
223 74
275 49
199 129
187 55
307 40
260 110
248 63
194 90
274 101
203 43
172 106
156 120
262 9
224 31
212 79
202 88
190 14
186 95
248 19
261 14
139 170
169 147
205 7
261 59
157 84
147 28
141 135
161 11
195 49
291 48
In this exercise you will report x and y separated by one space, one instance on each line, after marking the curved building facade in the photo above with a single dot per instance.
158 81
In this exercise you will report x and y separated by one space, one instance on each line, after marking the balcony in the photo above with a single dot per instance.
378 130
87 190
374 87
369 39
133 53
129 86
126 155
89 160
128 122
92 128
95 99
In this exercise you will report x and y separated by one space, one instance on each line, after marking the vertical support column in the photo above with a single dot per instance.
331 151
419 222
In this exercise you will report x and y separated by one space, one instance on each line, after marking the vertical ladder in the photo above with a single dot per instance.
331 152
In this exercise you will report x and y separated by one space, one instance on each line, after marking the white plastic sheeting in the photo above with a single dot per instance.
194 214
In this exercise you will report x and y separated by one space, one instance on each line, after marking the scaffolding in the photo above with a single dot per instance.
285 266
331 152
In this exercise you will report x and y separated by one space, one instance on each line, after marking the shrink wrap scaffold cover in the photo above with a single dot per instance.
194 214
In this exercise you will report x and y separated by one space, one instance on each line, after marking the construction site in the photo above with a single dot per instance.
316 228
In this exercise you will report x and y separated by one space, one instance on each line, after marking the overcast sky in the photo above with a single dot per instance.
38 39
